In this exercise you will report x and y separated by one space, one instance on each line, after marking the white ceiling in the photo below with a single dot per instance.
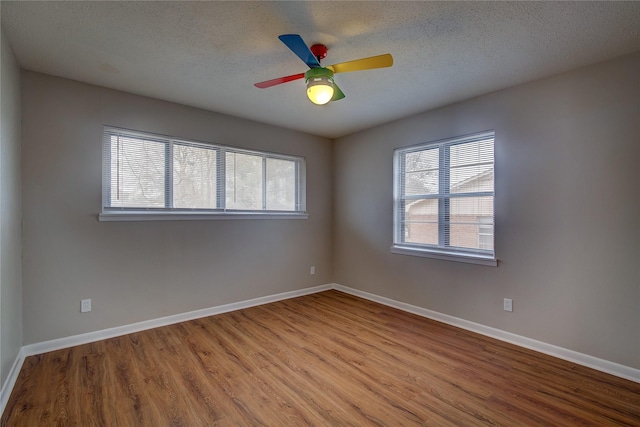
209 54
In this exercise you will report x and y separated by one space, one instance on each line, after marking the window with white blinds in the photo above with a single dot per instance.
444 199
160 177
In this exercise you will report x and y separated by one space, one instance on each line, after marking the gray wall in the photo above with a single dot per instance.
136 271
567 212
567 207
10 213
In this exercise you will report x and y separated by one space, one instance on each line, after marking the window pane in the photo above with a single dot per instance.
471 222
471 179
469 153
468 209
194 177
421 172
281 185
470 236
421 222
137 172
243 181
485 233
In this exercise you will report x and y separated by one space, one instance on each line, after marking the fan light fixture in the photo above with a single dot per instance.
319 85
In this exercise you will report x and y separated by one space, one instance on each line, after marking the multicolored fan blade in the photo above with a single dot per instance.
379 61
280 80
300 48
337 93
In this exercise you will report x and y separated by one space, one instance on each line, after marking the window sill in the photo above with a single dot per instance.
195 216
467 258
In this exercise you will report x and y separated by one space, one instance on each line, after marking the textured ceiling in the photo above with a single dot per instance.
209 54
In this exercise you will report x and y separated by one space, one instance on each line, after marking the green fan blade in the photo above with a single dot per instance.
337 93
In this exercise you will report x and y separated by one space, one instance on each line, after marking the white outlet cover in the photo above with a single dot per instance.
85 305
508 304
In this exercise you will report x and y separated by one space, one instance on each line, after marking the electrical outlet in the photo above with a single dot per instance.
312 271
508 304
85 305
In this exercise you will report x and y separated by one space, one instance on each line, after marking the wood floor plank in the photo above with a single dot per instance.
388 368
322 359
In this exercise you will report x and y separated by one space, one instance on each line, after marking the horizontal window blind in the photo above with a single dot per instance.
135 171
444 196
195 175
147 173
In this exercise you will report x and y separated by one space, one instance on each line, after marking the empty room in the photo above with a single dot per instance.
319 213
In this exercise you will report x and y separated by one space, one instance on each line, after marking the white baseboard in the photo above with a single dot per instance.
60 343
10 382
552 350
542 347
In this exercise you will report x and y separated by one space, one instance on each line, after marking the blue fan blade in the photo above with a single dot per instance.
337 93
300 48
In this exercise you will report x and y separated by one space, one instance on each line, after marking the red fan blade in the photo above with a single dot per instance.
280 80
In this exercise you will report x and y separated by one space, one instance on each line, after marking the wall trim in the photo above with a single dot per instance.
10 382
602 365
60 343
66 342
606 366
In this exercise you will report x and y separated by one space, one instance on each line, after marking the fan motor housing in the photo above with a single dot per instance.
319 51
319 72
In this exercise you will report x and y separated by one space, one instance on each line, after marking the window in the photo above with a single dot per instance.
443 199
153 177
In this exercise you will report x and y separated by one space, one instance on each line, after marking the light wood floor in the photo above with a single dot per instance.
327 359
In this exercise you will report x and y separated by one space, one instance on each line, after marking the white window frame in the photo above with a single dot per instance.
442 250
168 212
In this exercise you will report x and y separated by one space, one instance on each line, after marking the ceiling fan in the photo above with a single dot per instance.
320 85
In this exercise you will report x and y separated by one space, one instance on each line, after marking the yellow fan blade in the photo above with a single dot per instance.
379 61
